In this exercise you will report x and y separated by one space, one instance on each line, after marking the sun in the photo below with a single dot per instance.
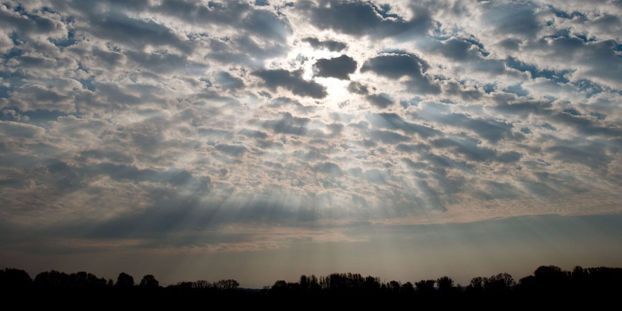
336 89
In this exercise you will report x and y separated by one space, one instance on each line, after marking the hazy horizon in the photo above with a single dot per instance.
515 245
261 140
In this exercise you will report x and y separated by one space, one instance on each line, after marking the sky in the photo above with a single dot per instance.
261 140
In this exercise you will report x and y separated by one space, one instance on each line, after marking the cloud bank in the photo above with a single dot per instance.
176 123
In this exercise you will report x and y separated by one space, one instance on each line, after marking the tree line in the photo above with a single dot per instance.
547 283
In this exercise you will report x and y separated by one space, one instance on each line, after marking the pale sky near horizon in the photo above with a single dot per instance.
264 139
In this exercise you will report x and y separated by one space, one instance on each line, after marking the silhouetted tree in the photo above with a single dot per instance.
124 280
500 283
548 283
476 285
394 286
425 287
309 282
371 283
149 281
227 284
14 279
52 280
202 284
445 284
408 288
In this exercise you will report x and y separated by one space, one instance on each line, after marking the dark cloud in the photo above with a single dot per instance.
239 15
228 81
136 32
174 177
491 130
461 49
585 125
10 129
381 100
330 45
592 155
412 148
472 150
291 80
254 134
358 88
215 133
535 72
510 43
387 137
582 124
509 104
164 62
366 19
288 124
243 50
517 18
339 67
267 25
600 59
395 122
219 13
328 168
396 65
469 52
495 190
290 103
232 150
256 33
18 18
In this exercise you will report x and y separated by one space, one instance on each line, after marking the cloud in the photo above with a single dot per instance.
597 59
266 24
136 32
18 18
339 67
388 137
165 62
467 52
471 150
291 80
328 168
517 18
288 124
232 150
396 65
228 81
592 155
491 130
395 122
11 130
381 100
365 19
330 45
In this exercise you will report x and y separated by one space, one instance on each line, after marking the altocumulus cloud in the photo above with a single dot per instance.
174 123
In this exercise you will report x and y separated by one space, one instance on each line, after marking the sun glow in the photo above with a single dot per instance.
337 90
306 56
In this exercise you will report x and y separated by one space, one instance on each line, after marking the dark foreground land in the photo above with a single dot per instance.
550 286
